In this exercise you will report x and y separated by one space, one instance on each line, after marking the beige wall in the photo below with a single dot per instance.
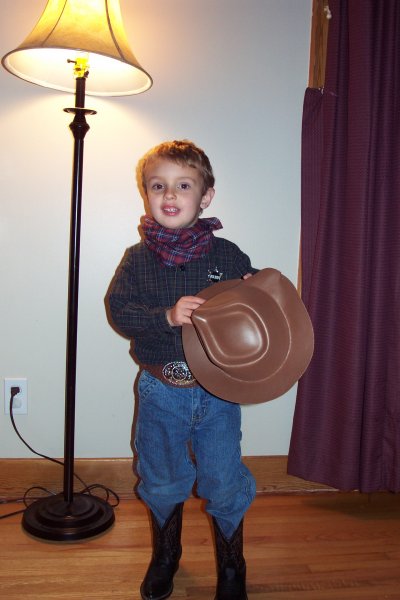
228 74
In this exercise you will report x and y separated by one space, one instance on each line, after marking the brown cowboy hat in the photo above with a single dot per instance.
251 340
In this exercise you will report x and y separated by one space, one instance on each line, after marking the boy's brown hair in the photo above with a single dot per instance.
182 152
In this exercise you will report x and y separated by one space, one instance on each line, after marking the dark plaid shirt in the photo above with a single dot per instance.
143 289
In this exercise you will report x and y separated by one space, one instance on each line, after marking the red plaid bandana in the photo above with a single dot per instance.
178 246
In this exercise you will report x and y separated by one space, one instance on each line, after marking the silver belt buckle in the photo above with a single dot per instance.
177 373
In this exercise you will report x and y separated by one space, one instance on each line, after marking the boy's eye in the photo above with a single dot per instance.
184 186
157 186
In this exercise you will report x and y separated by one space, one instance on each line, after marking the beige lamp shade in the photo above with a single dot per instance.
69 28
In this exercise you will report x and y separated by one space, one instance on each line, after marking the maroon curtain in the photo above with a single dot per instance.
346 429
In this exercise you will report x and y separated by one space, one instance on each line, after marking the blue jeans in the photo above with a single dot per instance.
168 419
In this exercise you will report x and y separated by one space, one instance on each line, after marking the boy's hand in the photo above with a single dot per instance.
181 312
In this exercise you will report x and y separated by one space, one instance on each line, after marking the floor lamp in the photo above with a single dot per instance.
71 38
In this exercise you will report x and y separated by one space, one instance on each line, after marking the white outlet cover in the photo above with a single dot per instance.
20 403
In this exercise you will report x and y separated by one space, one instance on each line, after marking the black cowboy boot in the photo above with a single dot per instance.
231 584
167 550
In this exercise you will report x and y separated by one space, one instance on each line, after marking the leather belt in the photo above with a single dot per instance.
175 373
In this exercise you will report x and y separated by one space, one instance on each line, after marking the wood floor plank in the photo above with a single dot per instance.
311 547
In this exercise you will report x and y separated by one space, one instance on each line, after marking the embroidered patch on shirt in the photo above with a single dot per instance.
214 275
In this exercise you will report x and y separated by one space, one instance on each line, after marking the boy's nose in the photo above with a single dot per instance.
169 192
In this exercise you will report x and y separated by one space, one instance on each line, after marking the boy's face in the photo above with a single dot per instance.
175 193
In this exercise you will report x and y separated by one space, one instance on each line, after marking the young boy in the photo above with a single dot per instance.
152 295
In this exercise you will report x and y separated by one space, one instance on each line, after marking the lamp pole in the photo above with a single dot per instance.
70 516
79 128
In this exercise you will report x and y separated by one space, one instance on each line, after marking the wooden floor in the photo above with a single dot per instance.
326 546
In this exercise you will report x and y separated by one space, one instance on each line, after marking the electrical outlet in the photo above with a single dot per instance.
20 401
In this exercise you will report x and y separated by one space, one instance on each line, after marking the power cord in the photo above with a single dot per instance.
87 489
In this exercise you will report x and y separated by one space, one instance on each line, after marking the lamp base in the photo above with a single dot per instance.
53 518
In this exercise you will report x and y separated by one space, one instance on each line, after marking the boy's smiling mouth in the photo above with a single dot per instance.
170 210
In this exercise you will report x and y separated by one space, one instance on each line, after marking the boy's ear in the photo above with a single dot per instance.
207 197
